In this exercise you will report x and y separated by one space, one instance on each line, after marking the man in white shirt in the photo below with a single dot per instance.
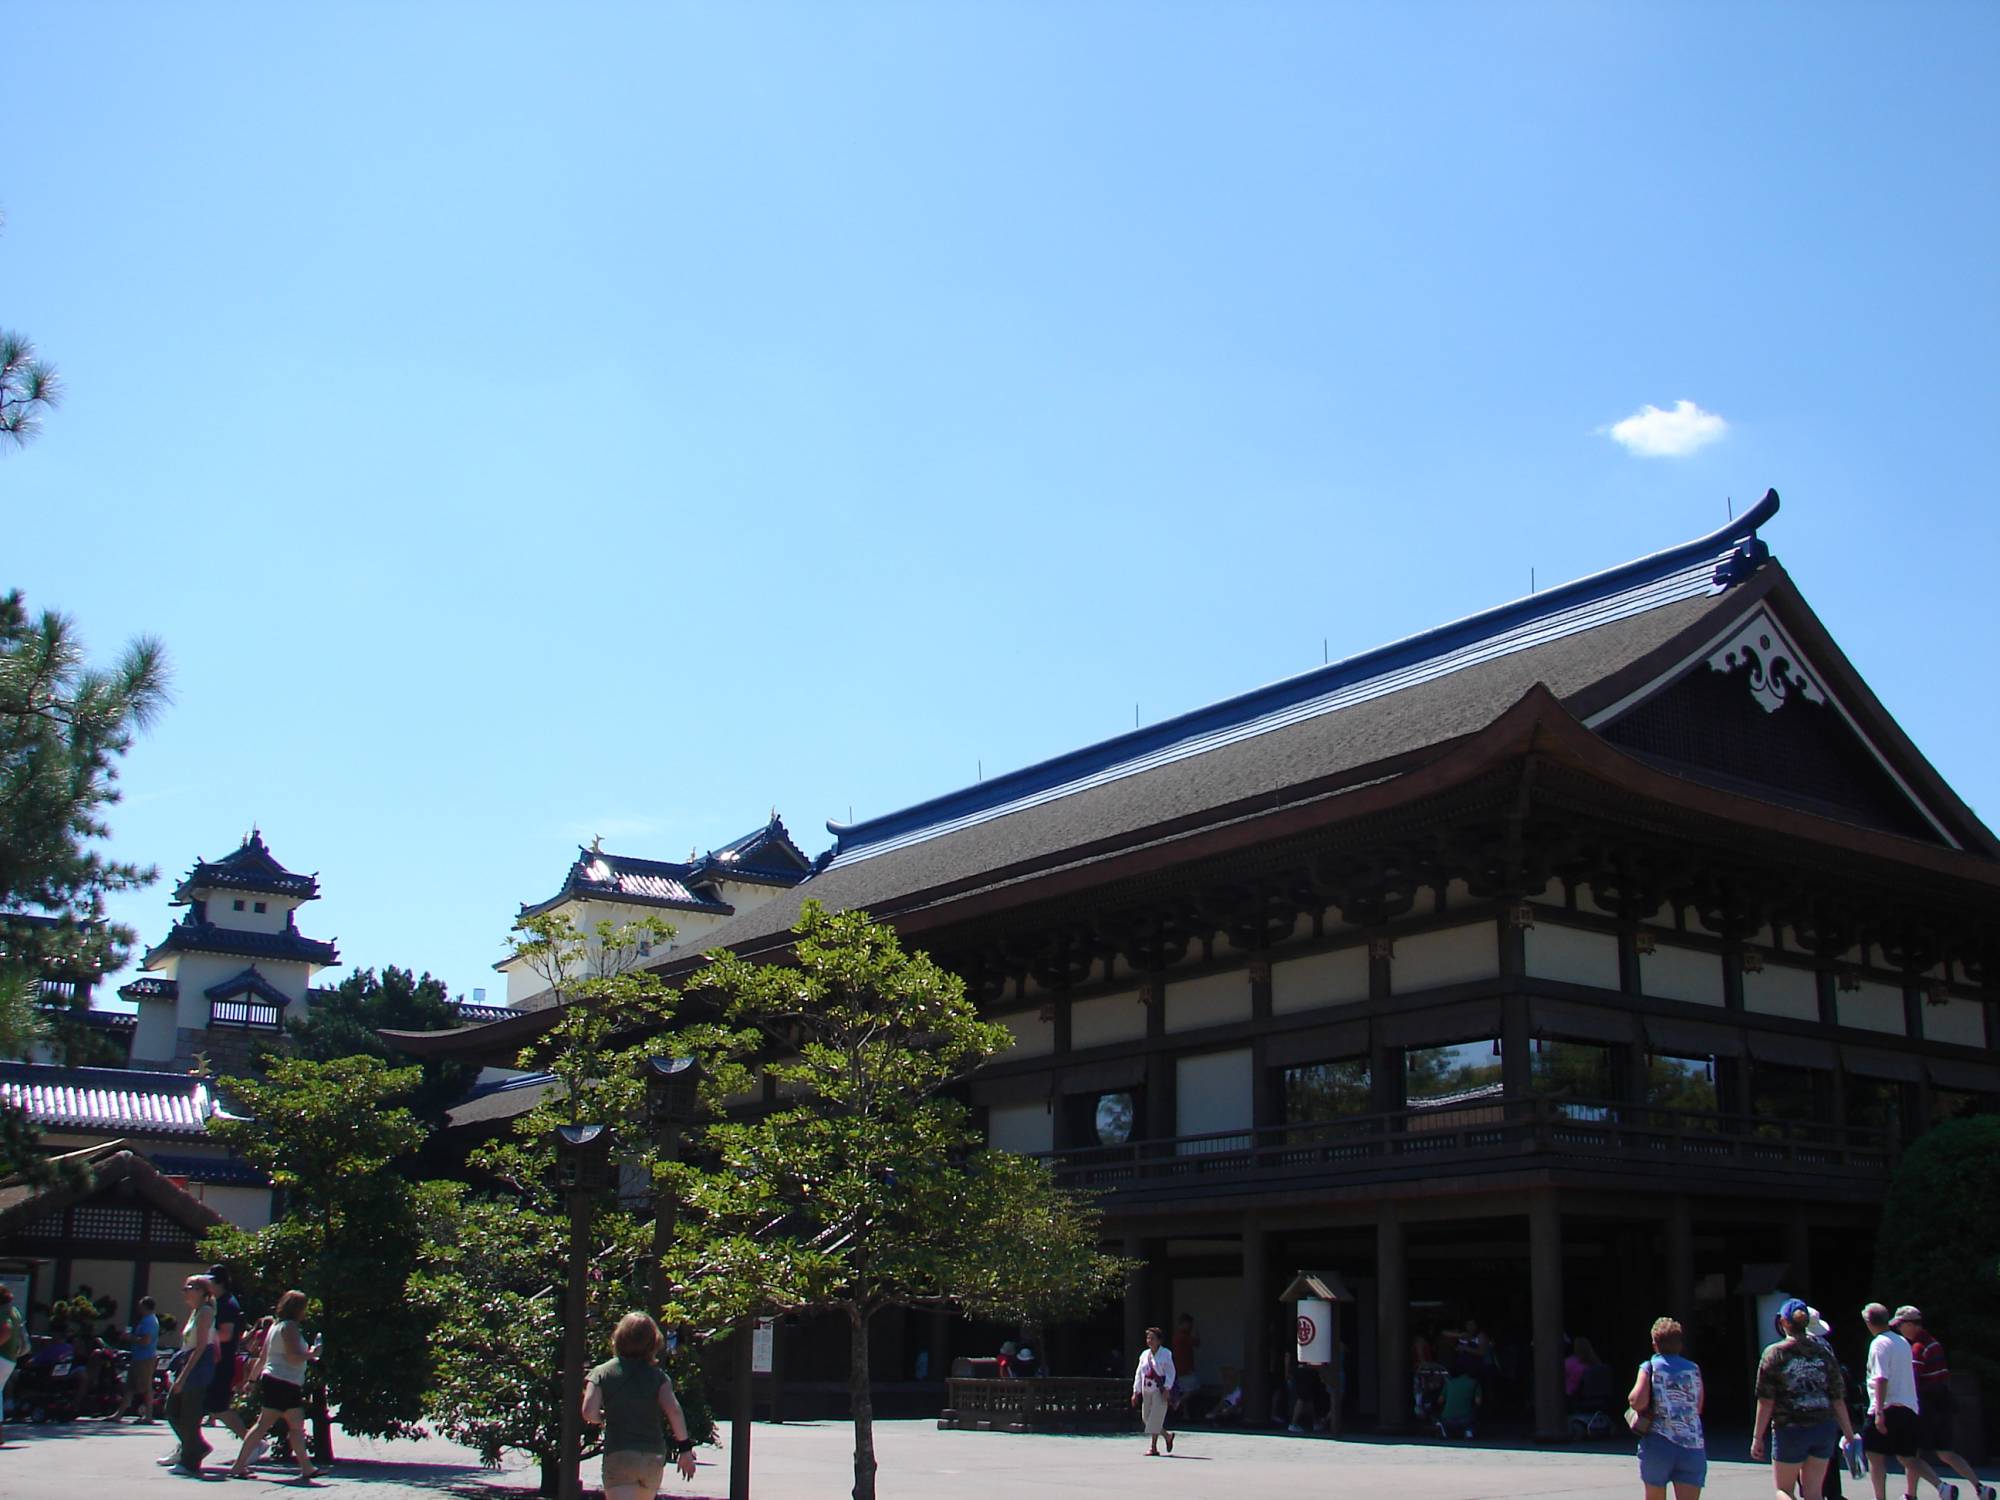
1893 1430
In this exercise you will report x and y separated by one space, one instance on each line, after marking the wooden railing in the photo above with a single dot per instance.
246 1015
1486 1135
1040 1403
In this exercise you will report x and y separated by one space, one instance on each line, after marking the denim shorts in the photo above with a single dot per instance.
1794 1445
1662 1463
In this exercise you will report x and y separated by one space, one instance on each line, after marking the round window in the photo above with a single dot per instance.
1114 1119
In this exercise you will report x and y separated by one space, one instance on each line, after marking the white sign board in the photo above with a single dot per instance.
762 1341
1315 1331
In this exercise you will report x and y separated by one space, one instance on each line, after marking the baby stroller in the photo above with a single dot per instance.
1427 1393
1590 1407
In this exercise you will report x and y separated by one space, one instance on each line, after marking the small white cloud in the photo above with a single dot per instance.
1653 433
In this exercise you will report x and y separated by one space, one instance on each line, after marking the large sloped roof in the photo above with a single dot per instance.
1366 711
1380 724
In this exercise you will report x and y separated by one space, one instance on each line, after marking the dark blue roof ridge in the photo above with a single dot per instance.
208 937
251 868
1059 769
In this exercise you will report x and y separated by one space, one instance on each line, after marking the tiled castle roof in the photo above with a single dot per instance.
123 1100
766 855
251 868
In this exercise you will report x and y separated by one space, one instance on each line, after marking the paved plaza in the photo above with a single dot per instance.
810 1461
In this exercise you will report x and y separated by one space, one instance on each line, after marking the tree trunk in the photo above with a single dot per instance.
861 1396
550 1482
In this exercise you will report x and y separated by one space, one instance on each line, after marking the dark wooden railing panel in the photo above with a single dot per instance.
1467 1137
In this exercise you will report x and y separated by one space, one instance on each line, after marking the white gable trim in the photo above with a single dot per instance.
1757 630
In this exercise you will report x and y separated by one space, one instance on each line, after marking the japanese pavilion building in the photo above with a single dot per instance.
1578 962
694 898
233 966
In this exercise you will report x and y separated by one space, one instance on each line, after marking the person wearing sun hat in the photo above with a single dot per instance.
1893 1429
1935 1405
1801 1405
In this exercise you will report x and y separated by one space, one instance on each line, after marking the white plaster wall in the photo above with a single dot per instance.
1033 1037
246 1207
1959 1021
1336 978
1572 955
153 1040
197 973
222 911
1781 990
1107 1019
1549 895
1453 955
1212 1091
1873 1007
1212 1000
1671 973
1026 1128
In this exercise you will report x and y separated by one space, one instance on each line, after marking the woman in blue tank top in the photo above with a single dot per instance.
1669 1394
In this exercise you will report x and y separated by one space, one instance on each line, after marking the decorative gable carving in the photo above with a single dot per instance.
1772 666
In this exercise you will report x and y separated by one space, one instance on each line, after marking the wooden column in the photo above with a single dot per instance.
1392 1320
1516 1063
1680 1259
1545 1291
1258 1310
1136 1316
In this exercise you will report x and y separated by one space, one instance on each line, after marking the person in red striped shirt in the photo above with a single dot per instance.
1935 1401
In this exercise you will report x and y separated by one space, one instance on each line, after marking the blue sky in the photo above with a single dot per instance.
527 423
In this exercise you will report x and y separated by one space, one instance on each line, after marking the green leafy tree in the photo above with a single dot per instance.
329 1134
345 1020
868 1188
494 1275
1939 1244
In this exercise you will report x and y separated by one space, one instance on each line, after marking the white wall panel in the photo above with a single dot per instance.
1107 1019
1573 955
1781 990
1873 1007
1027 1128
1336 978
1453 955
1212 1091
1212 1000
1671 973
1960 1021
1033 1037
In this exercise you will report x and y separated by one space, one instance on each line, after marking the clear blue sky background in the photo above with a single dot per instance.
525 423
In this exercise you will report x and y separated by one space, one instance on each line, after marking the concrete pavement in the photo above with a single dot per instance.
813 1461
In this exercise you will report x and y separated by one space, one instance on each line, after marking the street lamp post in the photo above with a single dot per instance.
583 1169
673 1097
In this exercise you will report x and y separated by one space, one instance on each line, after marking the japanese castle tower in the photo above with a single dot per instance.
229 971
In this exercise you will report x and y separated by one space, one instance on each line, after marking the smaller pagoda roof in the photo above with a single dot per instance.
764 856
622 878
150 987
125 1100
472 1013
249 982
109 1165
190 936
251 868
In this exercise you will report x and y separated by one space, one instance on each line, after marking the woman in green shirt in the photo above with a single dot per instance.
632 1396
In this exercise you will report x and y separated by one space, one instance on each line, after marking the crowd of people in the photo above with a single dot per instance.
247 1380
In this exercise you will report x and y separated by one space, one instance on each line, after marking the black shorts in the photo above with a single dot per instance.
274 1394
1935 1419
1900 1441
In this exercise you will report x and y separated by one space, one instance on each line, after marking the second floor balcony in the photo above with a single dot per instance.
1683 1149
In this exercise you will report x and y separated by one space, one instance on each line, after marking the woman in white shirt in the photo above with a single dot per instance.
1152 1390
